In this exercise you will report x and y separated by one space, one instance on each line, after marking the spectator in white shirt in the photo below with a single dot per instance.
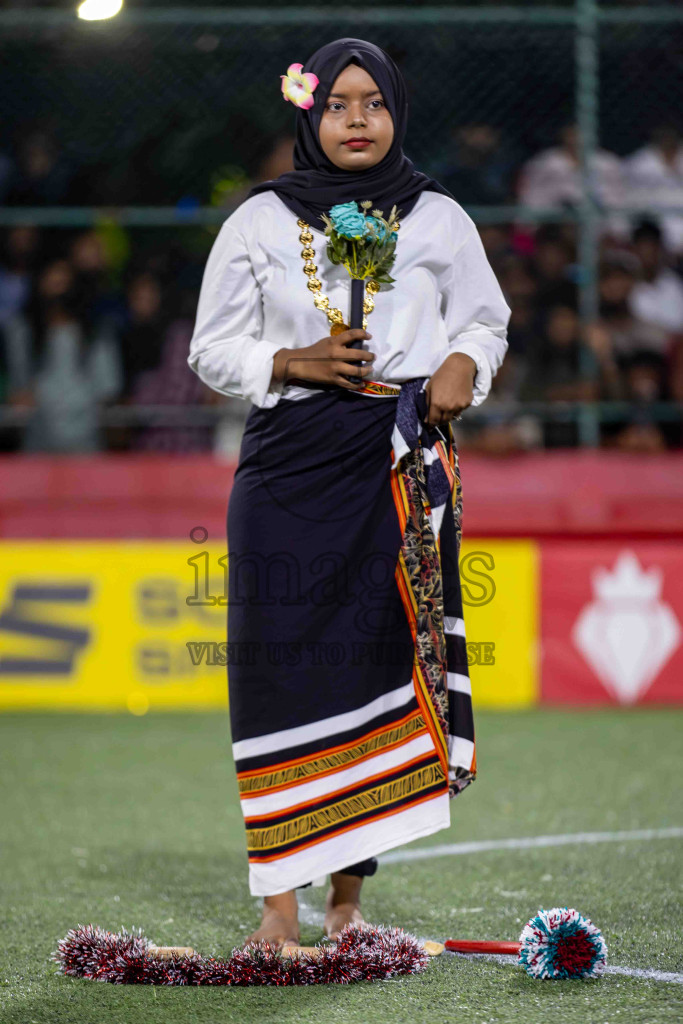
654 175
553 178
657 297
58 368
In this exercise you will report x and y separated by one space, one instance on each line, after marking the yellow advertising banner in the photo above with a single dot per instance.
501 601
141 625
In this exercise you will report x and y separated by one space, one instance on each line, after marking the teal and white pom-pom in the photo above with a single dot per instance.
561 943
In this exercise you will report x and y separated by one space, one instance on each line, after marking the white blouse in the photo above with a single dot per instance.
254 300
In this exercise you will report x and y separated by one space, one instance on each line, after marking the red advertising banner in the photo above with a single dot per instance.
123 494
611 622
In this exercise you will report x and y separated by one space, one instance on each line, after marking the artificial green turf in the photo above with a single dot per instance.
123 821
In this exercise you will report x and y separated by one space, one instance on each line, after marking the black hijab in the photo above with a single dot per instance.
316 184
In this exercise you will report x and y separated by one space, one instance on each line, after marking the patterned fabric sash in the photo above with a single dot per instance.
428 496
378 389
374 388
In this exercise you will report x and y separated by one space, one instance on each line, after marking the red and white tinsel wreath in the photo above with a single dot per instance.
362 953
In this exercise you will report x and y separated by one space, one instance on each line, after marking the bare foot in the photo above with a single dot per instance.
342 905
279 921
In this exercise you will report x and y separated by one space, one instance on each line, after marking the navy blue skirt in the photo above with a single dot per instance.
347 670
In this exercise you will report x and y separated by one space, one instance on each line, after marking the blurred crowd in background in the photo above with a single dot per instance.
99 320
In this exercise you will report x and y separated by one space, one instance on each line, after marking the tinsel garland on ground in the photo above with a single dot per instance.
362 953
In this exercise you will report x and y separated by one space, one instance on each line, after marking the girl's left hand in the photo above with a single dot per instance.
450 389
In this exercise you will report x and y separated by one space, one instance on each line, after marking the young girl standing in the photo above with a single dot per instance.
350 700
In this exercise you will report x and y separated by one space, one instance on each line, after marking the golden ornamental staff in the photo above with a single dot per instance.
365 244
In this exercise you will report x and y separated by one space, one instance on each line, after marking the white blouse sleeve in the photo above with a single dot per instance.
475 311
226 350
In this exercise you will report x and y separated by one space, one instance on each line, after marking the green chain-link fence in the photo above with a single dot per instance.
151 104
163 116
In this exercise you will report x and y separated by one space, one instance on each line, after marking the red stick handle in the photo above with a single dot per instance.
458 946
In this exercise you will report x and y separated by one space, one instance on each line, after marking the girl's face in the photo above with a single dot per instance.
355 108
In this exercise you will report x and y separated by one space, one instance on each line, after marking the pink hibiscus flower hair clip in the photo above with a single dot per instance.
299 87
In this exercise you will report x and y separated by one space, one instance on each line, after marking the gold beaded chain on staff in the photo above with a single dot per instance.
335 316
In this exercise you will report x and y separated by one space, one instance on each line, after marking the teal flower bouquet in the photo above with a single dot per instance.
364 243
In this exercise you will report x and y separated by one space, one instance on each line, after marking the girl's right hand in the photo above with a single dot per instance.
329 359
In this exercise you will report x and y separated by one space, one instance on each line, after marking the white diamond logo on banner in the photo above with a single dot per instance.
627 633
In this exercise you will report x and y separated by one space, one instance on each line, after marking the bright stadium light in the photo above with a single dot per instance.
97 10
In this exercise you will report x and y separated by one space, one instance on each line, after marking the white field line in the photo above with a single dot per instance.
314 917
527 843
310 916
636 972
629 972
